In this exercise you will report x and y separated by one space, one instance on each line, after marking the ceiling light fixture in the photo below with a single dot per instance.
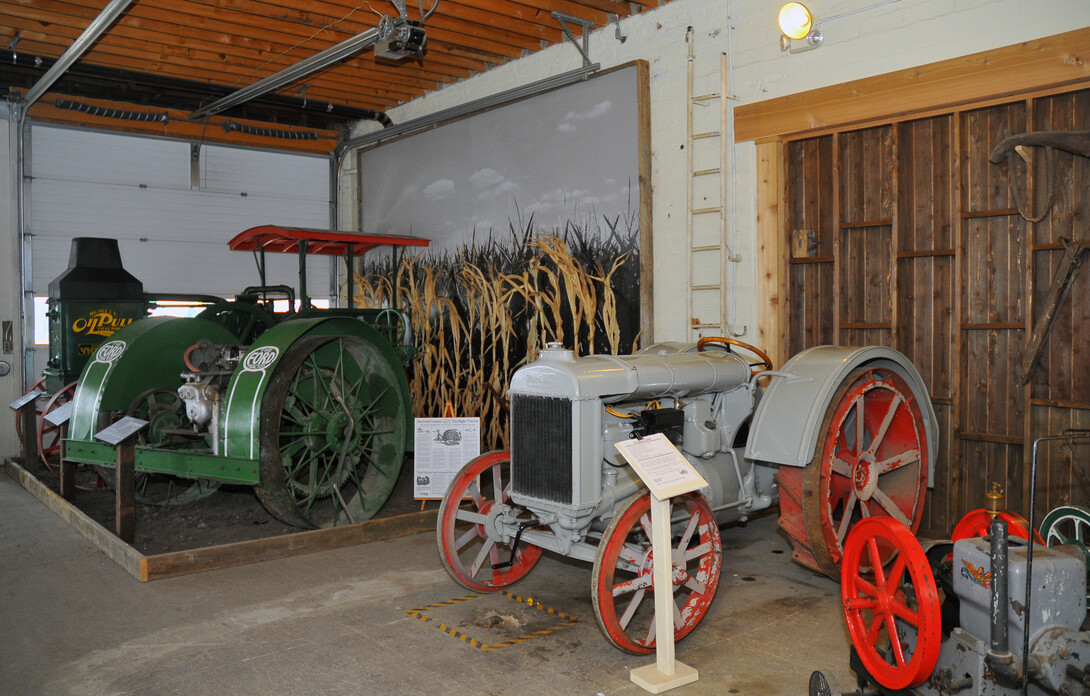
797 22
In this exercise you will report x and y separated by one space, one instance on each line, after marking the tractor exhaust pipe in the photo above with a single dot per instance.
1000 643
1000 657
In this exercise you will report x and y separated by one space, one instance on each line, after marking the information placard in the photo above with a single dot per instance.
662 466
443 447
120 431
25 399
60 415
667 473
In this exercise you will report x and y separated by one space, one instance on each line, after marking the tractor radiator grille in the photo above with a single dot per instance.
541 447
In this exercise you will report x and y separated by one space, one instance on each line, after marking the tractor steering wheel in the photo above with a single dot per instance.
765 362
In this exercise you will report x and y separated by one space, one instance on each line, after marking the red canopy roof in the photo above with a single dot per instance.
334 242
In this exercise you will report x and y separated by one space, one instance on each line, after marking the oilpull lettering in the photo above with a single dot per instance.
100 322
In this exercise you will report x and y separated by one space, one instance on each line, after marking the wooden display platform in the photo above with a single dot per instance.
165 565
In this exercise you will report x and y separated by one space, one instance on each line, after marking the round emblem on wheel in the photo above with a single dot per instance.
260 358
108 352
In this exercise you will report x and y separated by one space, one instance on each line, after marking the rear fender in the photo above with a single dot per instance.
786 424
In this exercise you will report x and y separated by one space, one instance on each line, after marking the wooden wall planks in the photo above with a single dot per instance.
809 210
920 245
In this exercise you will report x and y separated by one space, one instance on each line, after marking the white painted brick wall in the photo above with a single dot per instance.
879 40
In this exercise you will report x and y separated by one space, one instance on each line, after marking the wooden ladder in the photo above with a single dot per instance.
707 257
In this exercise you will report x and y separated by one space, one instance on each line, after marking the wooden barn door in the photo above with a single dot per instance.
904 234
1059 388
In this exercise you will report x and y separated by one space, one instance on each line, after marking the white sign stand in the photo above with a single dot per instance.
667 473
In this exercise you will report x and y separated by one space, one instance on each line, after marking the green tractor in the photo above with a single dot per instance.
310 406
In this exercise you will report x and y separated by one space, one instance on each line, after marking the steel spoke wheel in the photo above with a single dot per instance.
871 460
39 403
333 432
622 586
167 425
1069 524
49 435
893 616
391 324
470 546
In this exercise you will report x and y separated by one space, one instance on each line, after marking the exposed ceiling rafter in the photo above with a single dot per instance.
94 30
228 44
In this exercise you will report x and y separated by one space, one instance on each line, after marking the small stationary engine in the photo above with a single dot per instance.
988 635
565 488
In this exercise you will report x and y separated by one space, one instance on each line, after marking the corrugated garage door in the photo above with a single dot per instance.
173 236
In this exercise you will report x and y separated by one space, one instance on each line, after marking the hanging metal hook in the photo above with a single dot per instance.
616 22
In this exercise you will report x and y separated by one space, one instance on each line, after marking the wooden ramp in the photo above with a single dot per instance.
165 565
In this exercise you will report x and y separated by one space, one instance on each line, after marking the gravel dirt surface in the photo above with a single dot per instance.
231 514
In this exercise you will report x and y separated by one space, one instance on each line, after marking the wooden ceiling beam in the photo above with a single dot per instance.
452 67
476 53
534 11
541 11
621 8
348 85
473 25
326 13
265 36
301 40
358 97
155 91
208 62
229 43
482 12
476 26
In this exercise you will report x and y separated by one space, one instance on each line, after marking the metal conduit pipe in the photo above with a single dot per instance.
488 102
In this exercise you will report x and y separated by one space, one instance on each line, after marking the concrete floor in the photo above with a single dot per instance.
73 623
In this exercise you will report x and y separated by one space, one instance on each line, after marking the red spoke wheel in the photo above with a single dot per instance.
469 544
622 585
976 523
893 617
49 435
871 460
39 404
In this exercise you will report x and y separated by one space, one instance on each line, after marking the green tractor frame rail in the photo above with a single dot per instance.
309 406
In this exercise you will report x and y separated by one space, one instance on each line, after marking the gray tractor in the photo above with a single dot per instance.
835 436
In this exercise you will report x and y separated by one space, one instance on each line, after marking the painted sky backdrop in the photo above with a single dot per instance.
565 155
